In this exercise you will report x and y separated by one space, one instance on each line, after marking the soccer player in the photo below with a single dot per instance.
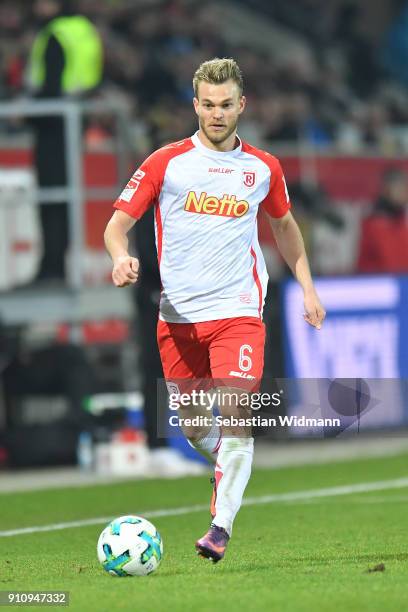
206 191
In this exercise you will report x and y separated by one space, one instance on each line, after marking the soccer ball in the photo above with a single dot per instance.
130 546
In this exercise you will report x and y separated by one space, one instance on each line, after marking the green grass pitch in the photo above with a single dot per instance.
301 555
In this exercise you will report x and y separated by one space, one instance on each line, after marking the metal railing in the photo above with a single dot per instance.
75 192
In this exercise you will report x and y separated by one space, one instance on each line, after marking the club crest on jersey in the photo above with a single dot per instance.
249 178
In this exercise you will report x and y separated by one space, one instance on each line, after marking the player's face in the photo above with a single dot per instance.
218 108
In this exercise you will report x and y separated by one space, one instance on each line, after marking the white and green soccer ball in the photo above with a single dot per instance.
130 546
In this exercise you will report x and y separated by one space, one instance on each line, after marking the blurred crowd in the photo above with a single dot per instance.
317 74
343 84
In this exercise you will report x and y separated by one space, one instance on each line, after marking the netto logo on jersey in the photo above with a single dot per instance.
227 206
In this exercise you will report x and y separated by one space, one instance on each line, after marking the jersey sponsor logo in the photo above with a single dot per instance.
132 186
241 375
249 178
227 206
221 170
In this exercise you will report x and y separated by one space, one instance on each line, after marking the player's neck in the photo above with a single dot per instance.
229 144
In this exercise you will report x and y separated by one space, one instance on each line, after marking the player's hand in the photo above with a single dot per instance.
125 271
314 311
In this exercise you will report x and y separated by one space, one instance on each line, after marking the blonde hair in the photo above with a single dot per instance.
218 71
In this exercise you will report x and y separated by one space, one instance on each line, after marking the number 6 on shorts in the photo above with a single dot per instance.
245 362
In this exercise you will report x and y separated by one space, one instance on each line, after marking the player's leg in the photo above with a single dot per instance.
236 355
186 368
234 461
231 474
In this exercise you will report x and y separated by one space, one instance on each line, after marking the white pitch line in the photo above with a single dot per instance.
363 487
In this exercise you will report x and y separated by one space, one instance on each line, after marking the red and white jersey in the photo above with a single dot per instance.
206 204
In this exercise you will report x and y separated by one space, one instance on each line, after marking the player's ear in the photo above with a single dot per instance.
242 104
195 103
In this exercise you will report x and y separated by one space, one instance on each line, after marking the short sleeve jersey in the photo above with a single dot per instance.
206 204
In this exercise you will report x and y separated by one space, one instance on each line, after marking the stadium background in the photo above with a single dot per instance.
326 87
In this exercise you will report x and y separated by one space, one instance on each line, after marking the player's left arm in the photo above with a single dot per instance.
291 246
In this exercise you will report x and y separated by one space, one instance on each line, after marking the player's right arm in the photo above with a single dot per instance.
139 194
125 268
